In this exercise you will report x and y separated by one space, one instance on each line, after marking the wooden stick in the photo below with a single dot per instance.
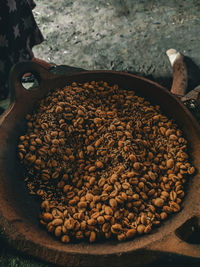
180 77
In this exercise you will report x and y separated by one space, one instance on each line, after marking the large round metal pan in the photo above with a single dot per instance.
19 211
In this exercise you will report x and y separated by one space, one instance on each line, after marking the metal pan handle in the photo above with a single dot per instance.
18 92
177 242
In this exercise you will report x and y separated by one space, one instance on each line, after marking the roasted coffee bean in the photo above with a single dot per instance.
105 162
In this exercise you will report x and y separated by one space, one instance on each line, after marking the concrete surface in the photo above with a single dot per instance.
120 35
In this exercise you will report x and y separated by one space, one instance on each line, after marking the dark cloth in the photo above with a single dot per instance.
18 34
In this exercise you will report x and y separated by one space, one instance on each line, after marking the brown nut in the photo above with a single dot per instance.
92 237
132 158
140 229
108 210
131 233
170 163
91 221
100 220
65 239
121 237
82 204
113 203
116 228
99 164
159 202
47 217
57 222
58 231
105 227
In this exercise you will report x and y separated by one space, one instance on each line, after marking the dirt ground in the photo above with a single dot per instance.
120 35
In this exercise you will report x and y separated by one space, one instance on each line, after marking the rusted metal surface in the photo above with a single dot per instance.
19 211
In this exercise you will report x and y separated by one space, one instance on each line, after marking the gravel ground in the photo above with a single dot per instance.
121 35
